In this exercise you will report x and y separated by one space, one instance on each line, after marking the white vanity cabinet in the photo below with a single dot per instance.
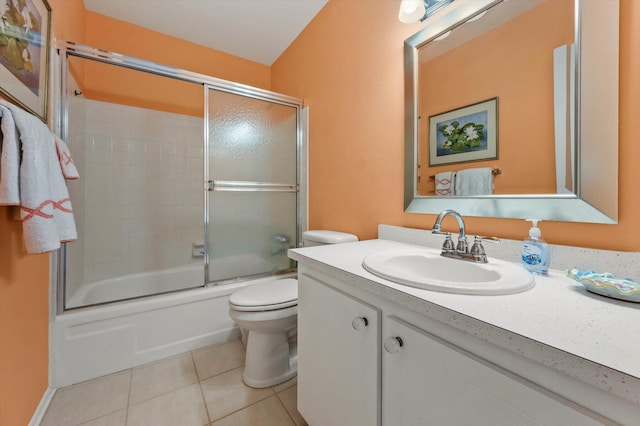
338 357
428 381
361 364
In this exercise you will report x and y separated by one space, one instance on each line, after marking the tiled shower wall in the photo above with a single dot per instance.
139 202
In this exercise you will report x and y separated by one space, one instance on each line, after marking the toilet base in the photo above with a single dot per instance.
271 359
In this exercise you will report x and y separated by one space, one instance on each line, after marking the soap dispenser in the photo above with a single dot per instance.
535 251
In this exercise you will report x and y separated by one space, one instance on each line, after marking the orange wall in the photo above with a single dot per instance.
24 287
119 85
348 67
510 63
68 20
121 37
24 310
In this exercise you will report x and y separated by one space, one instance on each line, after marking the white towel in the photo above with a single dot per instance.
45 208
478 181
444 183
9 159
66 162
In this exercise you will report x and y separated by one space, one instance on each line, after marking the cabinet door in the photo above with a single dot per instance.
427 381
338 359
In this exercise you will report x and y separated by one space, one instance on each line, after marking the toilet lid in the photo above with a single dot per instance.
272 295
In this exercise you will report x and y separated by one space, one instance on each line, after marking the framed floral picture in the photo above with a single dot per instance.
25 30
465 134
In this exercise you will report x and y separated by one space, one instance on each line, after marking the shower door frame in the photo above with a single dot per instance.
67 49
211 185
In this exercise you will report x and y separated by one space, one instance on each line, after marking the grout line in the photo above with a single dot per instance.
126 413
99 417
163 394
89 383
244 408
204 401
286 409
220 373
169 391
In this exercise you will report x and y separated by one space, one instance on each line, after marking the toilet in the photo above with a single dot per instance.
267 314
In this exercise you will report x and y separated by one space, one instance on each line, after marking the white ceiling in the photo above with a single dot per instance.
258 30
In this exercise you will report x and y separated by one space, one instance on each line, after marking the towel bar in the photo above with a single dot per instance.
497 171
230 185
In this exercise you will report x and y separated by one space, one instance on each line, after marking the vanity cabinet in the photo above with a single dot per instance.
428 381
361 363
338 357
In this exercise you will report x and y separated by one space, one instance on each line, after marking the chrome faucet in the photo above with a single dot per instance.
461 251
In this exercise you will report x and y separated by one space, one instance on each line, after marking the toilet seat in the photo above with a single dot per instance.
269 296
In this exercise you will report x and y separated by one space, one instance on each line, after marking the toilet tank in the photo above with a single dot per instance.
322 237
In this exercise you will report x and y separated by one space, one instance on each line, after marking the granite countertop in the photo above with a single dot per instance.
557 323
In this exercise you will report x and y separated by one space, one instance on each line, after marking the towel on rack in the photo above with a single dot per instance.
67 166
477 181
9 159
45 207
444 183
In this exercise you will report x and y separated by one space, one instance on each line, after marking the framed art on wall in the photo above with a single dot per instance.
464 134
25 32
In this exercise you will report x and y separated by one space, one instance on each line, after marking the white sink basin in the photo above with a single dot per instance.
426 269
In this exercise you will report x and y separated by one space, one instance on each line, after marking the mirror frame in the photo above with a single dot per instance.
596 110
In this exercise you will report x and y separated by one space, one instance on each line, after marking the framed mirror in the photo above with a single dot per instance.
514 90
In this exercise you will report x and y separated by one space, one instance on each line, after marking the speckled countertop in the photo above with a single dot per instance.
557 323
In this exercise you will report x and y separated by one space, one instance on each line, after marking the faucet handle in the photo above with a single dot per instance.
477 249
463 245
448 246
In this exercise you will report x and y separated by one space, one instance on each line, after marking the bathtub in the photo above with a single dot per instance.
137 285
166 280
91 342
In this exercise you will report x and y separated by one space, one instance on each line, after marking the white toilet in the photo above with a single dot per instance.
267 314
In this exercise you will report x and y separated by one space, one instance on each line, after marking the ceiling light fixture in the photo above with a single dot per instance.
419 10
411 11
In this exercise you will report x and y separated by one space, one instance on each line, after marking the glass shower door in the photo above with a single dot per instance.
252 206
138 204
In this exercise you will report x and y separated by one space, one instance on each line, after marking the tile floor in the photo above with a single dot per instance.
197 388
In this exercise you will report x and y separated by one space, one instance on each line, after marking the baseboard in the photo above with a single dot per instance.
38 415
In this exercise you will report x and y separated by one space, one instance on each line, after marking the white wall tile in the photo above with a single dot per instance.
137 180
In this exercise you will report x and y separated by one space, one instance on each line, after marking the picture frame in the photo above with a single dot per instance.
25 39
469 133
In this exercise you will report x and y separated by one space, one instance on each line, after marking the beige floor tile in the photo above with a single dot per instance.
289 398
182 407
87 401
119 418
286 385
226 393
155 379
217 359
268 412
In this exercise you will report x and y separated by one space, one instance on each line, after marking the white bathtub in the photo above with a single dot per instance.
99 340
166 280
137 285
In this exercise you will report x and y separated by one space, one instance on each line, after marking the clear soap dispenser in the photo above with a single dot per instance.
535 251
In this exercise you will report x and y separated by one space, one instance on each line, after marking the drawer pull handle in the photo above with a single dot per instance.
359 323
392 344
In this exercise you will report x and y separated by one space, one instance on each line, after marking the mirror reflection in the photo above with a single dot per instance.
494 103
512 97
